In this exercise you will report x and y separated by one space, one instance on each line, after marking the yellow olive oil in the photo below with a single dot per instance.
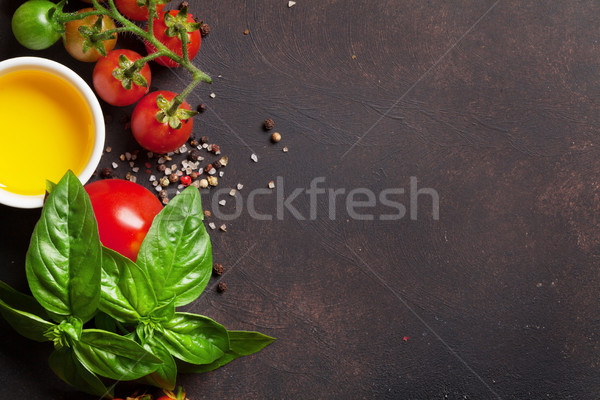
46 128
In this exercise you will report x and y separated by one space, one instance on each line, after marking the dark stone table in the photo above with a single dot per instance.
488 109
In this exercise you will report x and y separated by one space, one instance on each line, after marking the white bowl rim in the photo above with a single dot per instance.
44 64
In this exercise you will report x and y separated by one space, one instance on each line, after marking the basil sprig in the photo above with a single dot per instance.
138 332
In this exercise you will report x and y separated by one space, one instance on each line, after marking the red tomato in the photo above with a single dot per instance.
125 211
111 89
174 43
155 136
73 40
131 10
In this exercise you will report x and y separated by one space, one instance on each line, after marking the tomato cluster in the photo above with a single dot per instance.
161 121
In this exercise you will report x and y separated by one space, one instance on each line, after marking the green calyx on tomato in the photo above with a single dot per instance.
154 135
180 23
34 24
95 36
128 73
122 77
180 36
90 37
171 113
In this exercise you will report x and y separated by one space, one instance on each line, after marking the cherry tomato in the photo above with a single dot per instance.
174 43
131 10
74 42
33 27
113 90
155 136
125 211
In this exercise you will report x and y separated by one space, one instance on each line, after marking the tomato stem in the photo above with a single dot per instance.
63 18
184 42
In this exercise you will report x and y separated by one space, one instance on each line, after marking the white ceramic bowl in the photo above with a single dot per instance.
43 64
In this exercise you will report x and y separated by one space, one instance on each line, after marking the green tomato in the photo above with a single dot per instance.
32 26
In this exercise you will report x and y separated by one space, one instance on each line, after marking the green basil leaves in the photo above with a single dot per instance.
63 263
111 318
176 252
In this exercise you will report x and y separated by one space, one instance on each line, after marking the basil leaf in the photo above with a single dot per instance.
188 368
24 302
127 293
241 343
164 311
165 375
194 338
70 370
63 260
29 325
176 252
113 356
245 343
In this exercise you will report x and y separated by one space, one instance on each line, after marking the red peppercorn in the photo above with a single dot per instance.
186 180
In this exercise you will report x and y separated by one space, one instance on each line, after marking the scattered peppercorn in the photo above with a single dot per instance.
201 108
207 214
204 139
193 155
215 148
269 124
162 194
173 178
213 181
221 287
161 167
218 269
106 173
217 164
203 183
276 137
186 180
164 181
204 30
246 31
184 4
208 168
194 175
194 143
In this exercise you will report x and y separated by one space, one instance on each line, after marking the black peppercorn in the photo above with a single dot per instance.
208 168
217 164
218 269
269 124
201 108
204 139
162 194
215 148
106 173
221 287
193 155
204 30
161 167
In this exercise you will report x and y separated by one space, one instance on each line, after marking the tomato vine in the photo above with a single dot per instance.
172 38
